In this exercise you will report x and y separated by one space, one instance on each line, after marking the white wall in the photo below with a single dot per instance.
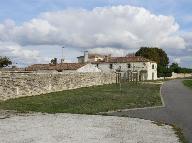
105 67
181 75
138 66
88 68
135 66
151 71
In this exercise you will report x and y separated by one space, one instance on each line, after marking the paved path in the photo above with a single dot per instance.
70 128
177 110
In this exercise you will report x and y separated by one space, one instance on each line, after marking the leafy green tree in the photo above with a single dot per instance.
155 54
185 70
54 61
158 55
4 62
175 67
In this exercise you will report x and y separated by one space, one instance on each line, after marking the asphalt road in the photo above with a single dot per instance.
177 110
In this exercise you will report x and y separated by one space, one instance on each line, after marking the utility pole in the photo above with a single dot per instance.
62 58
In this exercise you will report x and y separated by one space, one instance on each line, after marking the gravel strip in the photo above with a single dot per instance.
73 128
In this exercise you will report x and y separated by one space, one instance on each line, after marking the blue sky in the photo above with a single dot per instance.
23 11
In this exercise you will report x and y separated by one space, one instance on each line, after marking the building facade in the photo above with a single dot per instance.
145 68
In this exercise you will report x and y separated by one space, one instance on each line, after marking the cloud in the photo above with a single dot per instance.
101 29
188 39
119 26
20 55
177 60
185 61
111 50
183 56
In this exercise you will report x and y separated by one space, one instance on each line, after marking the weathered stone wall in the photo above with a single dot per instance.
14 85
178 75
181 75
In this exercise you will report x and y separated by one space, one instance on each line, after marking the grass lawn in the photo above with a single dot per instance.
188 83
89 100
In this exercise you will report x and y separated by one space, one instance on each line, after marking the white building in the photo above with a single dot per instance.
89 58
145 68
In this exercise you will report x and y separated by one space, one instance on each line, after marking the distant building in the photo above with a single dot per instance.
63 67
145 68
89 58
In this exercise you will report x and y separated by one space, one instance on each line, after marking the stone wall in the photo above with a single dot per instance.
181 75
14 85
177 75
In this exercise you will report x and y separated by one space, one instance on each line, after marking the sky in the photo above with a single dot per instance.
34 31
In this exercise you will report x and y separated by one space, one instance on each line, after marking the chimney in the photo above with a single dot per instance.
62 59
55 61
106 59
86 56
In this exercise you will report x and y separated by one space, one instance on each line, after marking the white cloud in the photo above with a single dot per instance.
177 60
123 26
186 61
188 38
113 51
20 55
109 28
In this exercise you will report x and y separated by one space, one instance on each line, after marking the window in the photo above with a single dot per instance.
129 65
153 66
111 66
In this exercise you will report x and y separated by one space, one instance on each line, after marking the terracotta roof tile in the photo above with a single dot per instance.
125 59
58 67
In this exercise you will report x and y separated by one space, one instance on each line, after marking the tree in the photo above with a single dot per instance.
155 54
4 62
54 61
158 55
175 67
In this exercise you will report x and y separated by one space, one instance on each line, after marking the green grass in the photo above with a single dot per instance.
188 83
178 131
180 134
90 100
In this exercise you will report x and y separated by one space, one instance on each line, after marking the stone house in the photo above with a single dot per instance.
145 68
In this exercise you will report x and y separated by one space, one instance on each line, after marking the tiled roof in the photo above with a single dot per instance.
58 67
125 59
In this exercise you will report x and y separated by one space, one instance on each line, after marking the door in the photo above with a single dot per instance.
152 76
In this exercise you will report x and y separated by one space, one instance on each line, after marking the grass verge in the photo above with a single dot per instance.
89 100
187 83
178 131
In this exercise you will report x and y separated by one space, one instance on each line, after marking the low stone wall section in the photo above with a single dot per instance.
181 75
14 85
